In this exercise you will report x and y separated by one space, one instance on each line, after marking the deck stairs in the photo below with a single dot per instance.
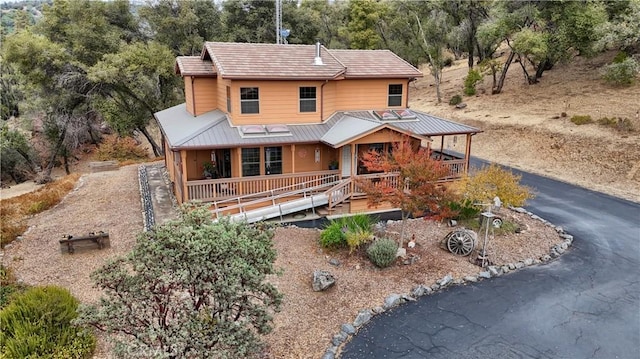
283 201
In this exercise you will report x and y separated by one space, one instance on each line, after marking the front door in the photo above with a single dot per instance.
346 161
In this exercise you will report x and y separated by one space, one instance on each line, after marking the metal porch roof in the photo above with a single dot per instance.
214 130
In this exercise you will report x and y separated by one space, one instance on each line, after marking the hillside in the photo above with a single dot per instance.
523 127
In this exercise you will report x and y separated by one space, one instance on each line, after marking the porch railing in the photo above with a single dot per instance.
270 198
456 168
219 189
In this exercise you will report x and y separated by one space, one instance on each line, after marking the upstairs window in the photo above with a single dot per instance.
250 162
273 160
395 95
228 99
249 100
307 99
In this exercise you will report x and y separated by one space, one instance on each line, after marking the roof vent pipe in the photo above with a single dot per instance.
317 60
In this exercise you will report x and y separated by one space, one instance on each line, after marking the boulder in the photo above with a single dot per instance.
322 280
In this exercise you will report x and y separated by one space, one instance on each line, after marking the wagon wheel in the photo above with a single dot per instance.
496 222
460 243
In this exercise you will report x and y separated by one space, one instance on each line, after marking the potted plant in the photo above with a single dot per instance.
209 170
333 165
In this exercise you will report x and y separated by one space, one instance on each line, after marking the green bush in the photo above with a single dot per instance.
334 235
581 119
360 221
382 252
620 57
456 99
8 286
37 324
621 73
620 124
465 209
473 77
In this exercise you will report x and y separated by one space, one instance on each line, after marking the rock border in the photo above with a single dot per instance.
145 198
348 330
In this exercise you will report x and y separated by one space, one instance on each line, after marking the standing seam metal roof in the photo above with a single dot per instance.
214 130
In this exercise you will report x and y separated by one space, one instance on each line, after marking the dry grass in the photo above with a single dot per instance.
16 210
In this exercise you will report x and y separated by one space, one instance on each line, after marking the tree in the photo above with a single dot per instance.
249 21
134 83
413 184
494 181
182 25
191 288
362 24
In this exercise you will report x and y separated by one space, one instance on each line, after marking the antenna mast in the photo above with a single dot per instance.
278 21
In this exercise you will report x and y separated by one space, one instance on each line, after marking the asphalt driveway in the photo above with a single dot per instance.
586 304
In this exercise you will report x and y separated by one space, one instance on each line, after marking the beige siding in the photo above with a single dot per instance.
304 157
365 94
206 94
279 103
222 95
188 95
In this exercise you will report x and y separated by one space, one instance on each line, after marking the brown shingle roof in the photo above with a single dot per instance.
194 66
374 64
271 61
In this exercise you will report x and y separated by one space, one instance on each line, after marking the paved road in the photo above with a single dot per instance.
586 304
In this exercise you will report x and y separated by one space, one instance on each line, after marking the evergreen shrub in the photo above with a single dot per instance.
37 324
382 252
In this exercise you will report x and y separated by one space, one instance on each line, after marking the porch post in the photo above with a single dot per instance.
467 154
293 158
441 145
185 179
354 166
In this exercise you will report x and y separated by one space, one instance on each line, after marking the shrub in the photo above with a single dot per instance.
581 119
121 149
333 236
360 221
8 286
448 62
473 77
357 238
489 182
621 73
456 99
465 209
382 252
37 324
620 124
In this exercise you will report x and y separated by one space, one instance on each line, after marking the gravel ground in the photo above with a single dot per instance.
110 201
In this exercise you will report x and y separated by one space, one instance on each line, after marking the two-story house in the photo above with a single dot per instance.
266 124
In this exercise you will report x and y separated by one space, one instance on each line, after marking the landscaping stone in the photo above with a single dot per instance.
435 287
402 253
519 265
363 317
484 274
378 310
339 338
505 269
418 291
392 301
322 280
446 280
528 261
471 278
408 298
334 262
545 258
495 271
511 266
348 328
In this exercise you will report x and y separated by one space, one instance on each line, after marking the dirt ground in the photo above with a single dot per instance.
523 127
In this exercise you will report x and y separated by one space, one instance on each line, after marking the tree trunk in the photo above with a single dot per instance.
47 172
503 75
545 65
157 151
530 80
